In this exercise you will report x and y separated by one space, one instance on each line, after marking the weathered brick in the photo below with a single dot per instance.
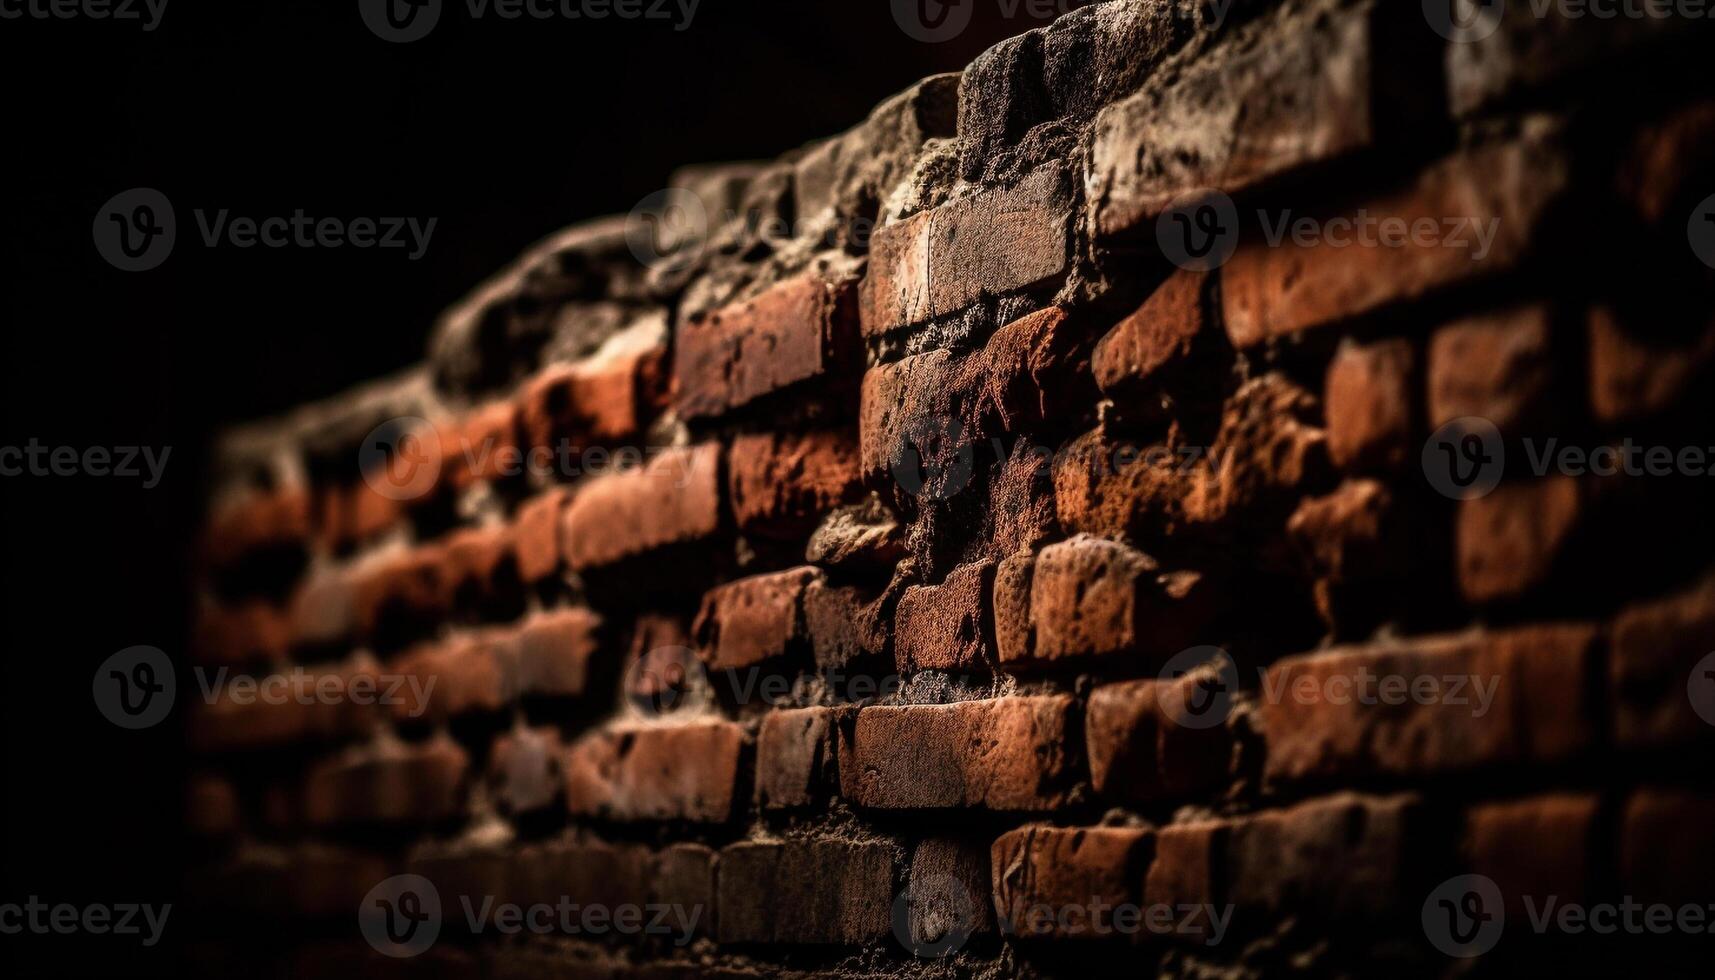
1511 542
1496 366
946 626
555 652
1438 704
1010 754
1306 87
949 889
687 772
1504 189
805 891
1635 376
995 242
782 485
1090 597
1350 541
1156 341
1139 751
835 178
1187 870
674 499
1535 847
1340 858
794 757
1371 399
604 400
396 784
525 769
1656 866
862 537
1653 681
800 330
1064 882
847 623
753 620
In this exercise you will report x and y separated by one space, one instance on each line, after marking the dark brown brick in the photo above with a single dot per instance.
753 620
555 652
400 784
1510 542
1188 870
1342 858
1371 404
949 891
1140 751
1497 366
1535 847
525 769
946 626
1155 341
536 535
1656 865
805 891
1064 882
794 757
1654 681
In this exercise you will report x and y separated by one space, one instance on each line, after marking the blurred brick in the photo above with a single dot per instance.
1506 188
1497 366
753 620
258 522
482 572
244 712
555 651
1370 402
321 612
689 772
1653 680
525 769
245 632
395 785
480 446
1634 377
800 330
1156 340
781 485
1063 882
1510 542
1010 754
1657 862
212 808
536 535
946 626
674 499
1342 858
1536 847
1187 870
468 674
949 890
1140 751
400 596
805 891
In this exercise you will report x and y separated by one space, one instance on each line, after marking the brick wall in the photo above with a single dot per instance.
938 562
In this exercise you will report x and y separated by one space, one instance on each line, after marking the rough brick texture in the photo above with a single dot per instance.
956 581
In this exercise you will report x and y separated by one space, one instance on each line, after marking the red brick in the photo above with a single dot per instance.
481 446
1270 292
245 632
1064 882
943 260
601 401
354 514
688 772
1089 597
1342 858
536 535
1350 541
391 784
946 626
805 891
803 329
245 712
1156 340
1510 542
1496 366
481 571
753 620
1656 648
1187 871
1658 864
469 674
781 485
1536 847
1298 89
260 521
1634 377
525 769
1371 399
674 499
400 595
321 610
555 650
794 757
1010 754
1326 716
1139 751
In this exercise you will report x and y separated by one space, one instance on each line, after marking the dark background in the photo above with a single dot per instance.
502 130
